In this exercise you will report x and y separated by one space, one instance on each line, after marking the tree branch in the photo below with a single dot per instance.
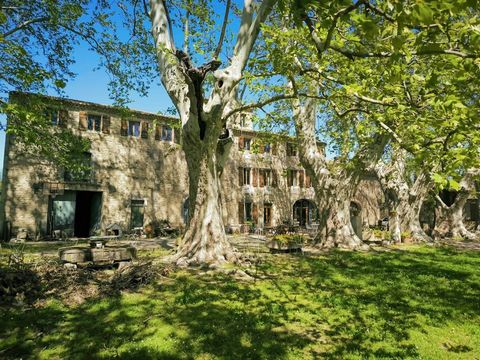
222 32
373 101
322 46
258 105
248 33
26 24
379 11
173 76
186 33
333 26
384 54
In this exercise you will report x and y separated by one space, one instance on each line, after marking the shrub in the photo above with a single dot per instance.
285 239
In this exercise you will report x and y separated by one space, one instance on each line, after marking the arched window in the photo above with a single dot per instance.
305 212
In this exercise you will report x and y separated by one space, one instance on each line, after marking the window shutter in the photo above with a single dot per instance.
301 178
255 213
158 132
290 177
262 176
255 177
177 135
241 215
106 124
274 178
62 118
124 128
83 121
308 180
144 133
240 176
274 149
241 143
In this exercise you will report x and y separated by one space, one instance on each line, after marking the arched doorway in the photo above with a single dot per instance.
356 218
305 212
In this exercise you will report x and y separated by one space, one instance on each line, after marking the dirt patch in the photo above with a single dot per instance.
33 284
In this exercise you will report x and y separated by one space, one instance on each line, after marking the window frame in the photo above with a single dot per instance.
130 124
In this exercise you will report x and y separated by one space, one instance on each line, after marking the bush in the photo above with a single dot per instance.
289 239
382 234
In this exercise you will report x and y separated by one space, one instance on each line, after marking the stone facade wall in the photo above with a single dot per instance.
127 168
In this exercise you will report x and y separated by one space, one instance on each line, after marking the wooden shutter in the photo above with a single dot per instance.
83 121
274 148
177 135
301 178
158 132
290 177
262 175
308 180
255 213
240 176
144 133
124 128
241 214
255 177
274 178
62 118
241 143
106 124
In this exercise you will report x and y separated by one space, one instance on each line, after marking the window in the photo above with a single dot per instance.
296 178
134 128
243 120
246 176
57 117
167 133
291 149
94 122
245 212
54 118
266 178
247 143
292 178
244 143
138 210
267 215
267 148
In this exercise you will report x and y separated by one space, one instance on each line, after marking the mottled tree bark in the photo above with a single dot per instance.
203 121
334 189
405 199
449 219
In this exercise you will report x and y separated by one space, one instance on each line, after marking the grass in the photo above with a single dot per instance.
407 303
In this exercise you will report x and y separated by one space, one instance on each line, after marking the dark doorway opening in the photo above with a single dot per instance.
305 212
87 213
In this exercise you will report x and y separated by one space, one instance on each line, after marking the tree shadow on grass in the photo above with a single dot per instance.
384 297
332 306
189 318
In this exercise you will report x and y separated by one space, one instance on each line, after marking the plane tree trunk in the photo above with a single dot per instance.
203 121
334 188
405 199
449 219
204 240
410 206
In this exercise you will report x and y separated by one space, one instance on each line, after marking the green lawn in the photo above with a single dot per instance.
408 303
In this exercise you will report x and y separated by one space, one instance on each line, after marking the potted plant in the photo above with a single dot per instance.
286 243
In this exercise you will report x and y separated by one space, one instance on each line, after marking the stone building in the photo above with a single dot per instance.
139 176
